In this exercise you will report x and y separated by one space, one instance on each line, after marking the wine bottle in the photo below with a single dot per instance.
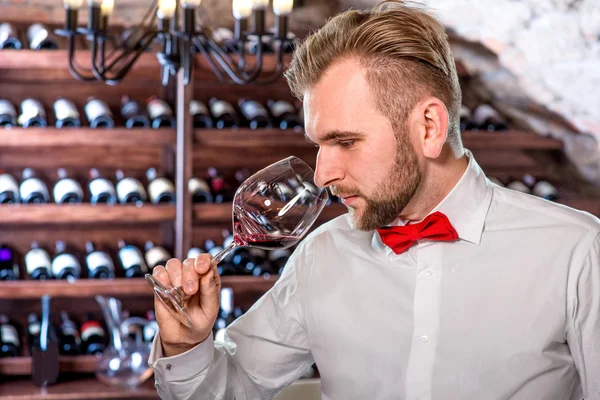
487 118
9 189
161 114
98 114
66 114
9 268
200 191
32 189
99 264
285 115
225 316
93 336
256 115
70 342
279 258
545 190
9 37
65 265
160 189
33 330
156 255
32 114
133 114
37 263
239 257
223 114
194 252
259 259
41 38
519 186
466 119
132 260
10 345
151 328
200 115
130 190
220 189
224 268
67 190
102 191
8 114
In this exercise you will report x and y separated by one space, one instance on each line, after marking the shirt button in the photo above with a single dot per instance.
424 339
168 367
429 272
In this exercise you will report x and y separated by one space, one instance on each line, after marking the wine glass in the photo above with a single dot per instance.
272 209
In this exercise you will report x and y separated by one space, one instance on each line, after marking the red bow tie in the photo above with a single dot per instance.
435 226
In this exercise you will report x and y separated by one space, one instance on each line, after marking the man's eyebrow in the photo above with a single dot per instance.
334 135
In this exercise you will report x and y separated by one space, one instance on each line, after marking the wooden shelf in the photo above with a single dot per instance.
221 213
121 287
88 388
22 365
64 214
244 138
85 136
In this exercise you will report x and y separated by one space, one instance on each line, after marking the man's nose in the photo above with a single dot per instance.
327 171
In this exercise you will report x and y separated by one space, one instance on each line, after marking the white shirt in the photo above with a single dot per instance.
509 311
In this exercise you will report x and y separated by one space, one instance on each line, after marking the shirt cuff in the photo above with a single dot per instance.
183 366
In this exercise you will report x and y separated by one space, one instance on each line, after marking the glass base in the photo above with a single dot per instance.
172 299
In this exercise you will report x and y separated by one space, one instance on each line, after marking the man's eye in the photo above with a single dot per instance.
347 143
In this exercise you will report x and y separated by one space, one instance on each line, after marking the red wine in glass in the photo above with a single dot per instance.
272 209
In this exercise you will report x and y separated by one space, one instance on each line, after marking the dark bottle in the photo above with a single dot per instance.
130 190
466 119
223 114
41 38
9 189
102 191
156 255
93 336
70 342
487 118
256 115
151 328
9 268
37 263
200 115
66 114
285 115
160 189
10 345
133 114
33 330
132 260
67 190
8 114
222 192
32 189
65 265
9 37
98 114
278 258
161 114
545 190
32 114
99 264
259 259
239 258
224 268
200 191
225 317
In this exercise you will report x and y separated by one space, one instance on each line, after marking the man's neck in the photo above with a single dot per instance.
440 180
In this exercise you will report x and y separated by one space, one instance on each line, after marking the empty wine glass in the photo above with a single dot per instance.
272 209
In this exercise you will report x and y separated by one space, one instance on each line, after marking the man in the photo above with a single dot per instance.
438 284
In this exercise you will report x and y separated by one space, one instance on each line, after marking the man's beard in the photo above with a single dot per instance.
393 193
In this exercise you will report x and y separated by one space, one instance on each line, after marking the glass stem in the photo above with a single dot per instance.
223 253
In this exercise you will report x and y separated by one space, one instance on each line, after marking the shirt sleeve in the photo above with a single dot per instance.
264 350
583 335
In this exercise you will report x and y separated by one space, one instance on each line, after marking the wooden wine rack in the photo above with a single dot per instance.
179 154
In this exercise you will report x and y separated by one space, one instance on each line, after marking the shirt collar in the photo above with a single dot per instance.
467 204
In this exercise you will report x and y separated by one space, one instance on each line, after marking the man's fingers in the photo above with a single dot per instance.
202 264
189 277
173 268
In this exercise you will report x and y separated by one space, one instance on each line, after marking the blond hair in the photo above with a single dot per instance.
404 49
